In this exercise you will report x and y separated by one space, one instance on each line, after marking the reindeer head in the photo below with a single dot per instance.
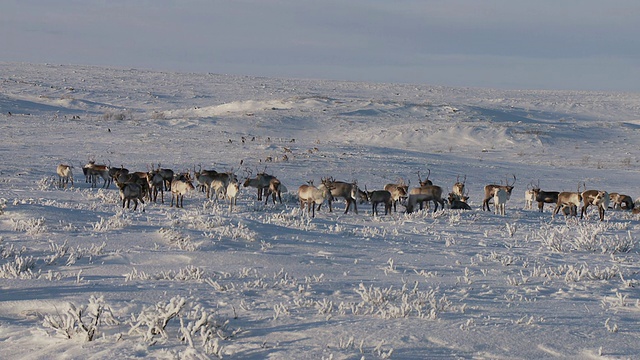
426 181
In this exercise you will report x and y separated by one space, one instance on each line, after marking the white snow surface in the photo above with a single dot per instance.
270 282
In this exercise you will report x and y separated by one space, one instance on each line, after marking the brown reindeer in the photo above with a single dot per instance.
422 194
570 200
399 192
618 200
348 191
595 197
380 196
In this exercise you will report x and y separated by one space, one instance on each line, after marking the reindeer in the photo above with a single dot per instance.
362 196
204 178
64 175
101 171
311 195
348 191
131 191
261 182
529 198
458 188
167 175
425 194
568 199
456 203
489 192
232 194
201 177
219 184
595 197
399 191
380 196
544 197
115 173
88 177
156 184
139 177
274 189
180 185
500 197
619 199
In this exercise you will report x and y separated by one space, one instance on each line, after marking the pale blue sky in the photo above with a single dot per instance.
542 44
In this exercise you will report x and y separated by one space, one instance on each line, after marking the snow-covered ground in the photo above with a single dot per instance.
82 278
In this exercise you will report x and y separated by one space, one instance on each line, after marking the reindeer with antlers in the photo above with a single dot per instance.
348 191
426 181
261 181
543 197
490 191
458 188
311 195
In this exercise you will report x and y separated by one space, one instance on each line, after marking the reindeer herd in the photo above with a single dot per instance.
138 186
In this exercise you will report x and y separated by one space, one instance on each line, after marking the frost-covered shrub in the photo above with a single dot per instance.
237 232
106 197
585 236
72 255
9 251
81 320
197 327
47 183
181 241
20 268
30 226
292 219
189 273
390 303
115 222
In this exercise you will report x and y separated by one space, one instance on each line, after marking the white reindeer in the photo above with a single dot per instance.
500 197
219 183
311 195
179 187
64 175
489 192
529 198
232 194
458 188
